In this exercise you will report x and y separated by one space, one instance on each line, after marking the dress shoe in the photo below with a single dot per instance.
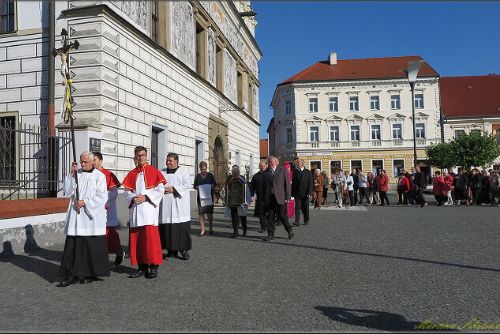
234 235
152 272
67 282
245 232
290 235
119 257
185 255
86 280
306 223
269 238
262 230
138 273
296 224
202 233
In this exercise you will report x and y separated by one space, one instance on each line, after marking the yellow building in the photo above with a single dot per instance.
356 114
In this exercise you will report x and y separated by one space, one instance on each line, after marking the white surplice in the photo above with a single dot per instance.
145 213
92 217
176 210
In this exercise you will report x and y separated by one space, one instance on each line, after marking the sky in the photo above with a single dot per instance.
457 38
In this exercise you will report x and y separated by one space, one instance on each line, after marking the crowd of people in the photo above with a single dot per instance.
160 211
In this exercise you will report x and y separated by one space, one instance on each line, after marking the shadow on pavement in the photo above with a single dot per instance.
45 269
367 318
259 239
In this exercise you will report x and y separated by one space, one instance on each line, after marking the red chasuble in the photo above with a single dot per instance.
111 179
152 177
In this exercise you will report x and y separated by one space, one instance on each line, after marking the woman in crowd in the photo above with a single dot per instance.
349 184
318 184
439 188
326 184
205 183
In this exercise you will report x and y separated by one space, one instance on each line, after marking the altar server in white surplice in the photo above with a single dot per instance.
175 212
145 187
85 255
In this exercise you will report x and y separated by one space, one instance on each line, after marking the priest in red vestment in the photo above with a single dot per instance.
145 186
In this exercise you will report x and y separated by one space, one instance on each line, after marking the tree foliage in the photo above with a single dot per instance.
441 155
468 150
475 149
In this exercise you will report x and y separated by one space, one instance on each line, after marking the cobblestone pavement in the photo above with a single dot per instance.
386 268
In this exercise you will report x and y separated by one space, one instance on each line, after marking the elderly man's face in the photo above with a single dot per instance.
262 166
86 162
273 162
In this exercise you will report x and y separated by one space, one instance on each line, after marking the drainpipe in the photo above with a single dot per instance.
51 109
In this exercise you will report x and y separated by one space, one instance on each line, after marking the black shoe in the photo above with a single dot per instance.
296 224
67 282
185 255
138 273
235 234
152 272
245 232
86 280
262 230
290 235
119 257
306 223
269 238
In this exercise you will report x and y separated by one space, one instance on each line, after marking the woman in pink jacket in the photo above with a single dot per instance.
439 188
383 187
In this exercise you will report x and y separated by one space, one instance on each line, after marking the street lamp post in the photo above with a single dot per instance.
411 73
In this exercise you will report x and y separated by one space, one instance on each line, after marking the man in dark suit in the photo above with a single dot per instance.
277 195
302 190
258 189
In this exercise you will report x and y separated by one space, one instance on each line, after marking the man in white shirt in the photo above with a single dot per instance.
85 255
175 210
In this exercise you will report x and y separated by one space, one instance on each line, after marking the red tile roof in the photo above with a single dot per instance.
470 96
264 147
358 69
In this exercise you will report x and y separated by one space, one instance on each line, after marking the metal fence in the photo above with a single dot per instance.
32 163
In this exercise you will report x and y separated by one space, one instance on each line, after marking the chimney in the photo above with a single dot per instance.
333 58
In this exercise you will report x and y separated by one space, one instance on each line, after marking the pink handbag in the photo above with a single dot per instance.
290 208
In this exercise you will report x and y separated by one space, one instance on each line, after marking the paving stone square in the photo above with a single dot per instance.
378 269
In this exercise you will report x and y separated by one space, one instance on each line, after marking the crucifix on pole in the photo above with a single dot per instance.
68 101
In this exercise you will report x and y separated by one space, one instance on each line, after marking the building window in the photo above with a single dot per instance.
219 65
314 134
397 132
7 18
419 101
315 165
395 102
356 164
8 144
334 104
239 89
201 51
251 93
420 130
458 133
354 132
313 104
334 133
288 107
377 166
375 132
374 103
398 166
353 103
497 133
154 21
335 165
289 136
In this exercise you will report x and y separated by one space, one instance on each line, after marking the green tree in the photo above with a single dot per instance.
441 155
475 149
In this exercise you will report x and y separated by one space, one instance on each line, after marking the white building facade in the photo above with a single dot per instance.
355 114
173 76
